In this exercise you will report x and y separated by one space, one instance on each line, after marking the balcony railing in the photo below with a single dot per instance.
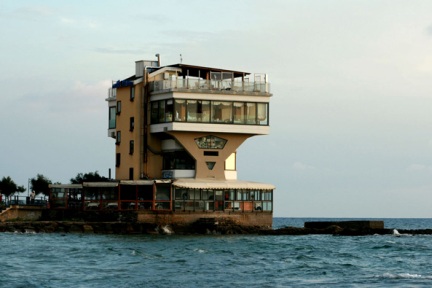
210 85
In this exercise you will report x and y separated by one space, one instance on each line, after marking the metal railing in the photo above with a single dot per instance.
25 201
210 85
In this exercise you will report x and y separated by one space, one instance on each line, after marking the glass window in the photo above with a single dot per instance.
112 117
194 194
191 111
263 113
128 192
131 147
239 112
163 191
169 108
154 112
221 112
251 113
230 194
210 142
210 165
178 160
118 160
118 107
267 206
181 194
267 195
91 193
131 123
118 137
162 111
203 111
207 194
132 93
180 110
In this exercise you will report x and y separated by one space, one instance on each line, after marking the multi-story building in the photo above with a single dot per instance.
180 126
177 129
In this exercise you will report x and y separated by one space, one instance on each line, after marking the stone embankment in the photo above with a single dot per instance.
202 227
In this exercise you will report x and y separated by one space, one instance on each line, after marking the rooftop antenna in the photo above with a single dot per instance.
181 59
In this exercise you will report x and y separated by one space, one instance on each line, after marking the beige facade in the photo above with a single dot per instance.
184 124
140 139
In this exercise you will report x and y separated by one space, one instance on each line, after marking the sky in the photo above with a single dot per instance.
350 116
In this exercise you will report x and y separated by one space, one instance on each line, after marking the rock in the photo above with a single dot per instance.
87 228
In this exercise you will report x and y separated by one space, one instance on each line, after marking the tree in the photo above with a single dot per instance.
8 187
88 177
40 184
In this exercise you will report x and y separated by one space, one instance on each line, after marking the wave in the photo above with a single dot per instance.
404 276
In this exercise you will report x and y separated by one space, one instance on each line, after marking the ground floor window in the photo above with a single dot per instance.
186 199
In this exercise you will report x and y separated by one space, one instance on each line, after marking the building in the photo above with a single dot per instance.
177 129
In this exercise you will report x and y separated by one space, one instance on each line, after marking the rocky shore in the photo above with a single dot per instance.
198 228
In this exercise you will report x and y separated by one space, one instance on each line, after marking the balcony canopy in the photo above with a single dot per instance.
221 184
200 71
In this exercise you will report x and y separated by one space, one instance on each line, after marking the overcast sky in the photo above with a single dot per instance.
351 112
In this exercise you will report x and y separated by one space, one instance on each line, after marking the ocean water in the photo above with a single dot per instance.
94 260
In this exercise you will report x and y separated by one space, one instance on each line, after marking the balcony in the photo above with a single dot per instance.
199 85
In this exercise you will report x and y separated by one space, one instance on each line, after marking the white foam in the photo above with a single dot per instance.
402 276
167 229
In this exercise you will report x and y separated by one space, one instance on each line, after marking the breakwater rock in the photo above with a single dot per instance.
197 228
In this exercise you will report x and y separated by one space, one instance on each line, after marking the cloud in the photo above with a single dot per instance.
80 23
419 168
33 12
300 166
118 50
80 96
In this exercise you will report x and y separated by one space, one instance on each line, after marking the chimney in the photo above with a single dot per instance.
139 68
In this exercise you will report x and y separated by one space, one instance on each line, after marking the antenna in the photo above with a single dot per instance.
181 59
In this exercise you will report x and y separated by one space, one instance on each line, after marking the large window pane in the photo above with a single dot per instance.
163 191
203 111
154 112
262 113
169 107
191 111
161 111
251 113
221 112
112 117
239 112
180 110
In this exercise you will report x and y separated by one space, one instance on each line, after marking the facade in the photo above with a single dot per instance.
177 129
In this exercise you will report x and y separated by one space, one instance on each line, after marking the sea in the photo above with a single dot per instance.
96 260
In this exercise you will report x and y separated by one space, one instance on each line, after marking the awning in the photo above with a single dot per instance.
100 184
136 182
69 186
221 184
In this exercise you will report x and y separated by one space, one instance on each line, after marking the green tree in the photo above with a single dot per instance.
40 184
8 187
88 177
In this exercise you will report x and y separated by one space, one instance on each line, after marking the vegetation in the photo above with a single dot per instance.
8 187
40 184
88 177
